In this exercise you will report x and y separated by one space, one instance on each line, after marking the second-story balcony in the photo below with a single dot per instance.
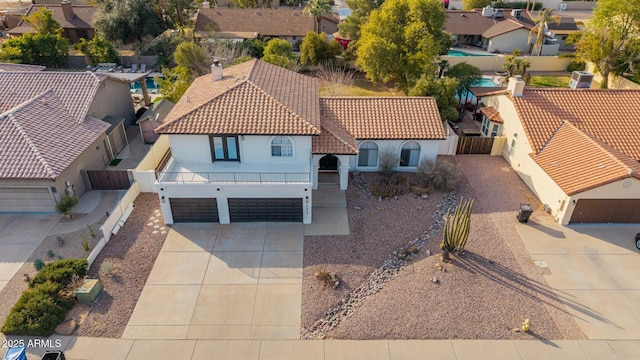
231 173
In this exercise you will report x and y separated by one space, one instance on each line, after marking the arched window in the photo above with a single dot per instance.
410 154
281 146
368 154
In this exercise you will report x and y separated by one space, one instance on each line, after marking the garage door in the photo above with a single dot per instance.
244 210
606 211
17 199
194 210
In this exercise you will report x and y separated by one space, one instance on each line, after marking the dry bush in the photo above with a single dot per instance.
327 278
336 77
442 175
388 186
387 161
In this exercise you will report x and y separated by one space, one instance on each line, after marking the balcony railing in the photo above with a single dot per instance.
233 177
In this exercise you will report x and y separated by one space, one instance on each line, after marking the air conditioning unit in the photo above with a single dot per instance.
516 13
580 80
487 11
499 13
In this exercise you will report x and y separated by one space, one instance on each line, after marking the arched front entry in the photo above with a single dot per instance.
328 163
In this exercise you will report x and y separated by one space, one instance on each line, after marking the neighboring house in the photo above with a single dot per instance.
290 24
52 129
152 118
578 150
503 30
20 67
76 21
249 144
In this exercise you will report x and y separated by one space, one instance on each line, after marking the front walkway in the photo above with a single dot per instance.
211 281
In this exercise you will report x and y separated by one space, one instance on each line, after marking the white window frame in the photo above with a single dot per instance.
402 148
495 129
514 143
281 145
485 126
377 149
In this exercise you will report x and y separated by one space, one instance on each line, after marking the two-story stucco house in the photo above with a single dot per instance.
247 144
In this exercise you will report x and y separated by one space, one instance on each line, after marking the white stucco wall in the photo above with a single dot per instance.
510 41
614 190
190 148
113 98
428 150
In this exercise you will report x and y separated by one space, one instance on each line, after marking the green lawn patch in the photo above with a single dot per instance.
550 81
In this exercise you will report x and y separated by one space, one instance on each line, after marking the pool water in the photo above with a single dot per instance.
463 53
152 86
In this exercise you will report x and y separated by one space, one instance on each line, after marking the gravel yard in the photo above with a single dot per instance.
131 253
484 294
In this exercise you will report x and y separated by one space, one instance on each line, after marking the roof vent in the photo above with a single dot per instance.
516 13
44 102
216 70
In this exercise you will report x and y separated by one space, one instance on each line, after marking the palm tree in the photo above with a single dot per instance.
540 27
318 9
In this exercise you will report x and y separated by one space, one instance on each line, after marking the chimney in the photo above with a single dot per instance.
67 10
516 86
206 5
216 70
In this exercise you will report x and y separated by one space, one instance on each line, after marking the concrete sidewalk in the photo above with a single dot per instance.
93 203
76 348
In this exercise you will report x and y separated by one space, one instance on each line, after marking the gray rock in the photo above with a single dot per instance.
357 207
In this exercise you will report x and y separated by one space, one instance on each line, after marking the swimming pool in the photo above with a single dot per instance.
152 86
463 53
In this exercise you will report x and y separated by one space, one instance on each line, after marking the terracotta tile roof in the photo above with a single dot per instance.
609 116
265 22
39 139
82 19
492 114
252 98
20 67
577 162
385 117
76 90
334 139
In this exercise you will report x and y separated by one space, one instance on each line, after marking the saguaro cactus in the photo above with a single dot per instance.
457 226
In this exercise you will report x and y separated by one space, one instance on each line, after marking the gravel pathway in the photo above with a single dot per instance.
484 294
131 253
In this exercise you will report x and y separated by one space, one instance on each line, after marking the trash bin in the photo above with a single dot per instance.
638 241
53 355
525 211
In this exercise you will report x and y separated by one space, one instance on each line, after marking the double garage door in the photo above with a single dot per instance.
26 199
606 211
240 210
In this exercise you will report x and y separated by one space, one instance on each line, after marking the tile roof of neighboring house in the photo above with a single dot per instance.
82 19
20 67
266 22
492 114
609 116
577 162
503 27
334 139
158 111
75 91
471 22
385 117
35 149
252 98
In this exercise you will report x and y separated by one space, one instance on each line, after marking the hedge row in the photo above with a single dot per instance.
47 300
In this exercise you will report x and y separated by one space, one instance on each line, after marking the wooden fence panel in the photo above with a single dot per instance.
474 145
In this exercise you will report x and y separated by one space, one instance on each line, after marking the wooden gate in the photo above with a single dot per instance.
109 179
474 145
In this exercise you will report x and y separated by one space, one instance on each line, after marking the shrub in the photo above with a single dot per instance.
387 160
576 65
66 204
60 272
38 264
38 311
394 185
442 175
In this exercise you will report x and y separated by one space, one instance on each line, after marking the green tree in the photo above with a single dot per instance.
98 50
193 57
442 90
36 49
474 4
541 26
174 83
466 74
400 41
251 4
515 64
176 12
612 38
361 9
318 9
43 22
316 49
127 20
279 52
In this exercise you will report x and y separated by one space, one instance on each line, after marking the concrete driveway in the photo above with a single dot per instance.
211 281
595 271
20 235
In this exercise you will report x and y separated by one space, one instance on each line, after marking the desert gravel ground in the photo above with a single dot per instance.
132 253
484 294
